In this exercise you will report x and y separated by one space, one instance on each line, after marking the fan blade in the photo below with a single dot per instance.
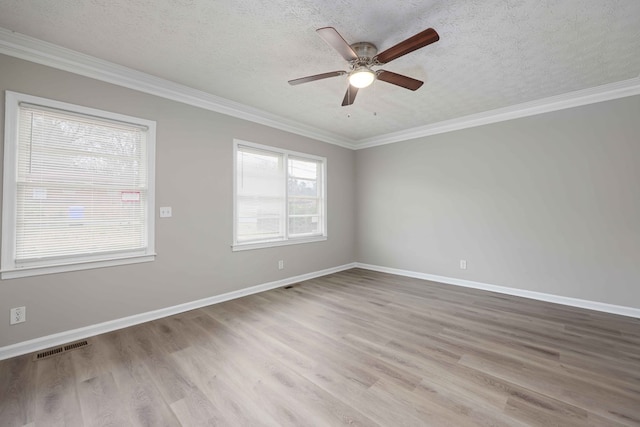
335 40
350 96
422 39
316 77
399 80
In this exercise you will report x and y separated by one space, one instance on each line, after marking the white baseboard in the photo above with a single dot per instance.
574 302
53 340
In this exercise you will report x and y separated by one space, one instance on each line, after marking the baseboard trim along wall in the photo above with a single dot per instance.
53 340
574 302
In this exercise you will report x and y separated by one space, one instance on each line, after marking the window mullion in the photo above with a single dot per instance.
286 196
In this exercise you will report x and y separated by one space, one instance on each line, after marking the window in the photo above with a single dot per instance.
78 188
280 197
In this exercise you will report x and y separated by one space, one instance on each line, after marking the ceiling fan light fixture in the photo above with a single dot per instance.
361 56
361 77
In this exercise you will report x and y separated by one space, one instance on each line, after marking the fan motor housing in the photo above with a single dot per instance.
364 49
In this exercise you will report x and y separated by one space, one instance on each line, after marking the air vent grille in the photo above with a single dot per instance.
59 350
49 353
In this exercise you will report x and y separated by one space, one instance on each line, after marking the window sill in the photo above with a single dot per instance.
262 245
52 269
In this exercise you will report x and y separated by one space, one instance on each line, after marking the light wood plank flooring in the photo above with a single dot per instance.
353 348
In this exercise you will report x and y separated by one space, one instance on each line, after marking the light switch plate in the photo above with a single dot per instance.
165 212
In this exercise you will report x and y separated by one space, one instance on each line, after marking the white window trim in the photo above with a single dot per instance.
287 240
8 268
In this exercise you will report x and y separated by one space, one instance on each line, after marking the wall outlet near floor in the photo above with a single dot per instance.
280 265
18 315
463 264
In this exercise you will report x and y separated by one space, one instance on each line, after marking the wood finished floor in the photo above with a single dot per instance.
355 348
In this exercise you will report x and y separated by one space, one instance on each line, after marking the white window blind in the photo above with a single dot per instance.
260 195
81 190
279 196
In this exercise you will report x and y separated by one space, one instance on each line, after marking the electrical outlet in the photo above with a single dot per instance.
463 264
280 265
165 212
18 315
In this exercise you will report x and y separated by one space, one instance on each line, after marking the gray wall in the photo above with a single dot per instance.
194 176
548 203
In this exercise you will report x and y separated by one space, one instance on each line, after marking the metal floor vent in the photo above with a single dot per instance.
59 350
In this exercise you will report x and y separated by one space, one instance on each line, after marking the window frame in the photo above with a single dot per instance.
9 268
287 240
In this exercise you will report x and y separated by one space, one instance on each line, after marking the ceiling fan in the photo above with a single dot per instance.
363 56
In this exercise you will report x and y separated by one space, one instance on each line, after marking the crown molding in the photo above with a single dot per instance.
578 98
45 53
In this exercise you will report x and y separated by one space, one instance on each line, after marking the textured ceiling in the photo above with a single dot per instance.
491 53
